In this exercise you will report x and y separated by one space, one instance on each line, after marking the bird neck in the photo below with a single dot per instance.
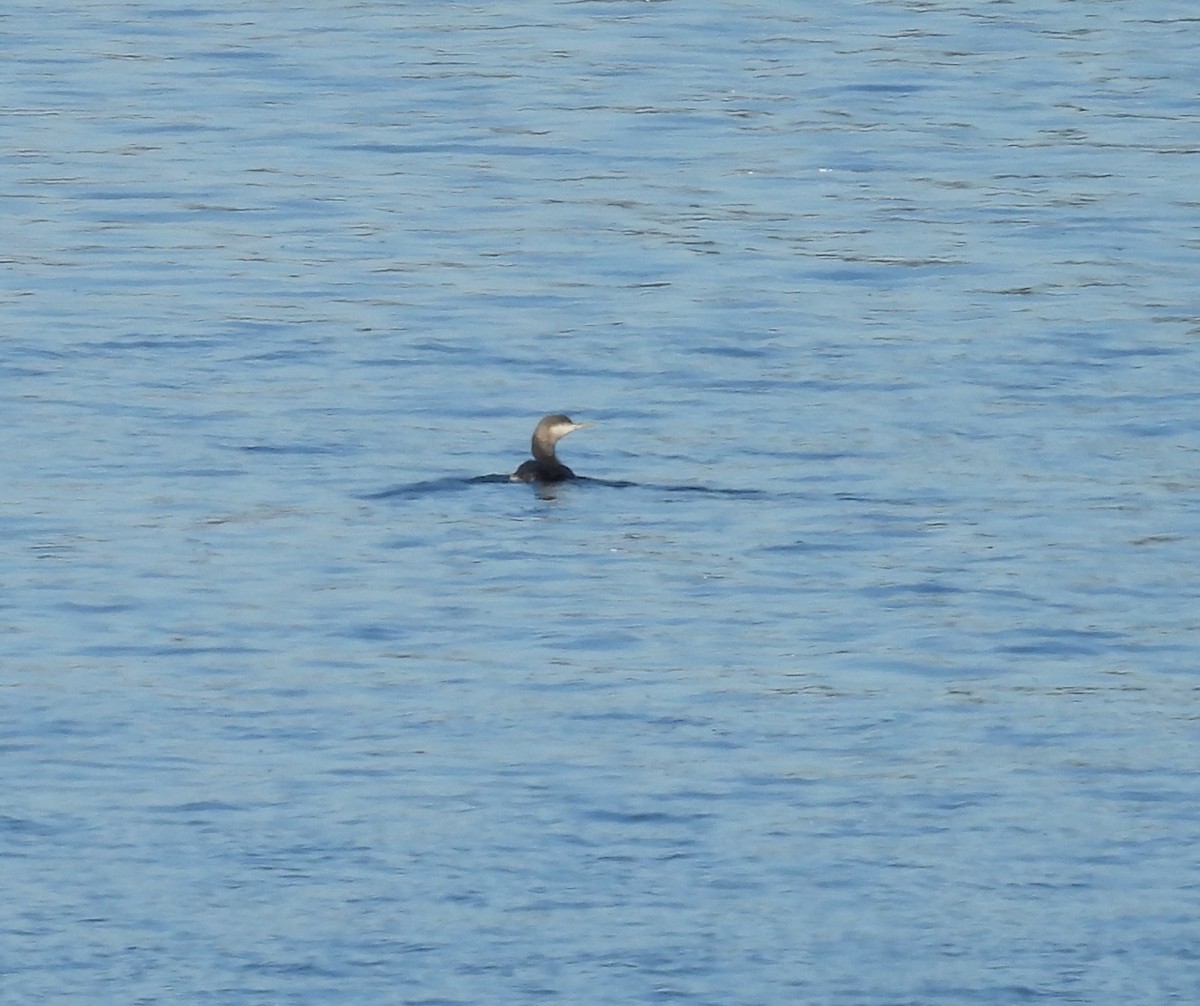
543 451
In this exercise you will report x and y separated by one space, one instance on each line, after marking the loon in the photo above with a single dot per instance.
545 466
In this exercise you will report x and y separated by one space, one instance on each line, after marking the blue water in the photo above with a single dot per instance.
863 671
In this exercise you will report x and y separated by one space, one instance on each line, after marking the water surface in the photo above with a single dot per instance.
860 669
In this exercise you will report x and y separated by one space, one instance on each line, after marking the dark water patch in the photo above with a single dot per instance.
1063 642
235 53
373 633
603 642
435 487
17 372
111 346
28 828
93 609
661 488
203 473
819 547
910 88
890 501
929 588
303 449
732 352
621 716
1150 431
453 483
646 817
291 354
199 807
161 128
304 969
1156 539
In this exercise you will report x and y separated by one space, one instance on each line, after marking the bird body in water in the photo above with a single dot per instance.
545 466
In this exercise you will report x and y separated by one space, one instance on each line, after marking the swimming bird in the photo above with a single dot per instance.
545 466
